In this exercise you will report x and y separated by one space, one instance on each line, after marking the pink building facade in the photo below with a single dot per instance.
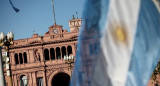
39 60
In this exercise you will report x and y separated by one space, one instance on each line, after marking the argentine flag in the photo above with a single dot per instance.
119 43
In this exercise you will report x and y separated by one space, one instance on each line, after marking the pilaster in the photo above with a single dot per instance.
44 78
34 78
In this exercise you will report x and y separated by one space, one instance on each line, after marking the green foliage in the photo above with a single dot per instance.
156 72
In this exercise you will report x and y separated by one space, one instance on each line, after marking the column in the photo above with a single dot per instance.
12 58
28 56
55 53
73 50
23 57
41 54
18 81
15 80
30 80
49 54
18 58
75 47
66 50
34 79
44 78
61 52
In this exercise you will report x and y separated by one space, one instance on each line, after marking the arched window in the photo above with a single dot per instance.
52 53
23 81
16 58
63 51
90 49
21 58
25 57
69 49
46 53
58 53
40 81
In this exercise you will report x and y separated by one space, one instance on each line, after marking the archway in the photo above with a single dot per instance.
61 79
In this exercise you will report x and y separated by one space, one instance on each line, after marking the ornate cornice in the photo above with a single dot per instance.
38 68
74 37
35 42
38 43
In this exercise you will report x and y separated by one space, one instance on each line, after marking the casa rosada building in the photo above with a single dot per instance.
39 60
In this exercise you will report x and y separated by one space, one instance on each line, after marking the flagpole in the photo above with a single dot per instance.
54 13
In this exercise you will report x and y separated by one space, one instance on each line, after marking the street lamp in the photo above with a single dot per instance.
6 41
69 60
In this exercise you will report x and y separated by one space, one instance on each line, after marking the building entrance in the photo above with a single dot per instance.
61 79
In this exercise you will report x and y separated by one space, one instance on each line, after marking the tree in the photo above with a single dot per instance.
156 72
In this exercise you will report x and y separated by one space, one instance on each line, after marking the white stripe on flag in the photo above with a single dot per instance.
117 41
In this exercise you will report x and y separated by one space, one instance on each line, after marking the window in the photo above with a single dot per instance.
52 53
46 53
63 51
58 53
69 49
40 81
25 57
21 58
16 58
23 81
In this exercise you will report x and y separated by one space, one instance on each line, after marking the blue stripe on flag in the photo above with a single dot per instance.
146 51
85 72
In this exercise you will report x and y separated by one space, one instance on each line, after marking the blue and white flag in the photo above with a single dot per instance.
119 43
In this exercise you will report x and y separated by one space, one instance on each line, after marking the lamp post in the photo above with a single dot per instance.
6 41
69 60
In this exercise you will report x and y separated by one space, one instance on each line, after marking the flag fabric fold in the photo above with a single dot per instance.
15 9
119 43
146 51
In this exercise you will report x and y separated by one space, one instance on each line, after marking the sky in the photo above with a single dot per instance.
35 16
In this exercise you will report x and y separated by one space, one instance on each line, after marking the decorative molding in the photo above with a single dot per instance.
61 70
48 73
74 37
44 43
19 75
34 42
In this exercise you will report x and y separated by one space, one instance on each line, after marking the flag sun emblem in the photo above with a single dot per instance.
119 33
